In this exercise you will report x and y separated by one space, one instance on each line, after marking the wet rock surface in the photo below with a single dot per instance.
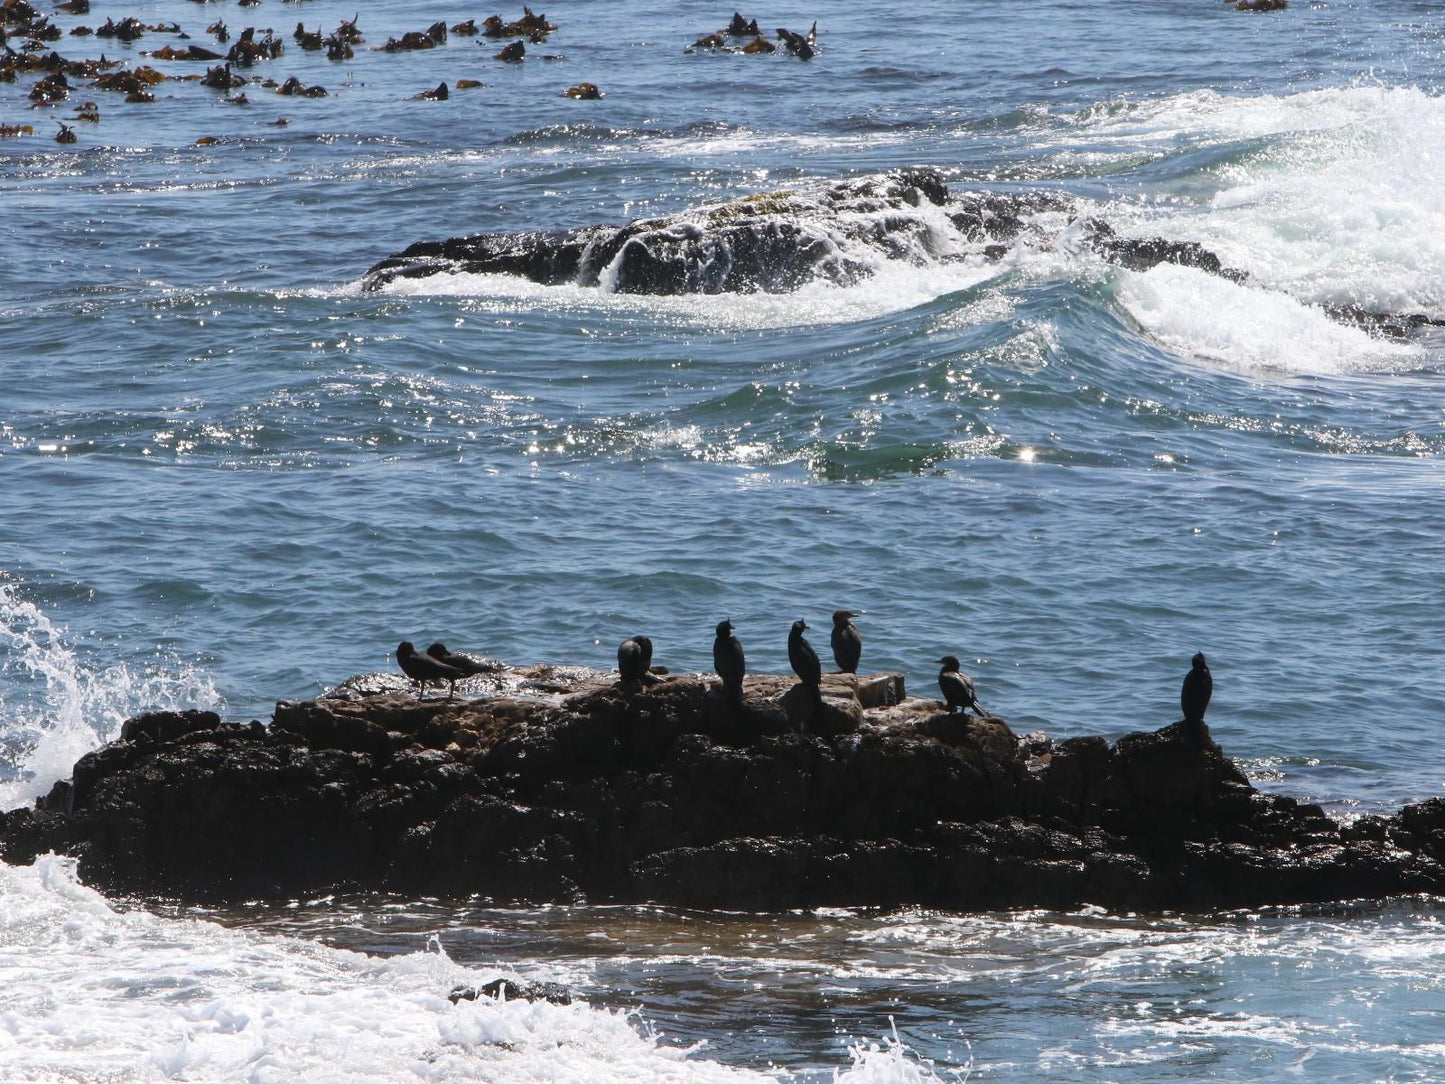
773 242
560 784
778 242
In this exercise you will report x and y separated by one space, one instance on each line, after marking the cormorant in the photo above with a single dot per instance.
645 642
465 663
847 644
957 688
630 664
425 668
1198 685
804 659
727 660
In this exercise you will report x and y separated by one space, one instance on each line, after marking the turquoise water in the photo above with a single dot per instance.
229 476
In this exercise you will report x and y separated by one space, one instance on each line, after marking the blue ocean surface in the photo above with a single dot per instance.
230 475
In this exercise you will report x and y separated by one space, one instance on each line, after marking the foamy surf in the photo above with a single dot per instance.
95 993
1323 198
1194 314
55 708
894 287
1333 196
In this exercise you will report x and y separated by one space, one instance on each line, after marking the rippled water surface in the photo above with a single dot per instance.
229 475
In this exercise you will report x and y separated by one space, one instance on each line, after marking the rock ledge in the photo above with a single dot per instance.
571 788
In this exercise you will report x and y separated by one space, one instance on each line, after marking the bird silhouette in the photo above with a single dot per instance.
847 643
631 661
465 663
957 688
804 660
645 642
728 661
424 669
1198 686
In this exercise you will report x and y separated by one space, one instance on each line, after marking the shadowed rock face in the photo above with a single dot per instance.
673 793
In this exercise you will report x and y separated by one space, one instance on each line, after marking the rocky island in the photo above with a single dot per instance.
558 784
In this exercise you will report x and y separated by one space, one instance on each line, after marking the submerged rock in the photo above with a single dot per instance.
505 989
562 785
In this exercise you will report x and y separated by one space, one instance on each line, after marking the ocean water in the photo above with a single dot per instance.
229 476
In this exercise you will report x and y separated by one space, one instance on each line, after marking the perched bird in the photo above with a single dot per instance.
957 688
630 660
1198 685
804 659
645 642
847 644
465 663
425 668
727 660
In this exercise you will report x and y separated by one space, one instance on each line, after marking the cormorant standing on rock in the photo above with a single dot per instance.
1198 685
465 663
645 642
805 660
630 657
425 668
957 688
727 660
847 644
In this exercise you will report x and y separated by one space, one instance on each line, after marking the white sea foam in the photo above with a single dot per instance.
890 1062
1344 199
1196 314
894 287
1333 197
917 260
93 993
54 708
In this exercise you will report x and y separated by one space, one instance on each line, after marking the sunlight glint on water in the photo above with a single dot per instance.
229 476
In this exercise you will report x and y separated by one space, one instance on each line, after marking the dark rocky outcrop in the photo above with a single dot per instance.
561 785
778 242
773 242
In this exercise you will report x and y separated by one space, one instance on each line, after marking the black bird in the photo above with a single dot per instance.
645 642
647 676
630 660
957 688
1198 685
465 663
805 660
847 644
727 660
425 668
